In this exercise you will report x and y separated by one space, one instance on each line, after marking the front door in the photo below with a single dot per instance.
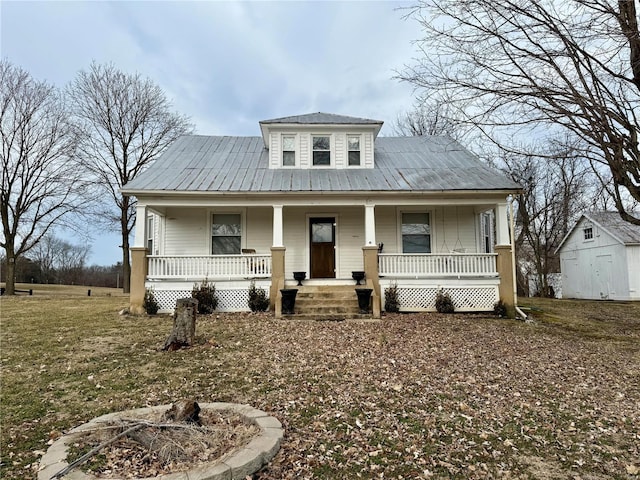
322 234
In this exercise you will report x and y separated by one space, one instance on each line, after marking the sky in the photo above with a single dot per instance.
227 65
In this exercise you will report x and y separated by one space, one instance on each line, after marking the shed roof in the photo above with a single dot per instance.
627 233
623 231
214 164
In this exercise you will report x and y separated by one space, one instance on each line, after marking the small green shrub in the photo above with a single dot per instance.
150 303
391 300
205 293
500 309
444 304
258 300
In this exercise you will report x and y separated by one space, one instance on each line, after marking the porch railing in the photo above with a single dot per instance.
209 266
416 265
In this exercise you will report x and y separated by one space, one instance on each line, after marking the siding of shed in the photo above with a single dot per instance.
594 269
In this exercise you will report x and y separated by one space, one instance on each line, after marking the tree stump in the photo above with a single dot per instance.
184 411
184 325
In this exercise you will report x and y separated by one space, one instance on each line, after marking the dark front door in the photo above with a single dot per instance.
323 241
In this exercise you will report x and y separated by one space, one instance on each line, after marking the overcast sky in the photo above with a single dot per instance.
227 65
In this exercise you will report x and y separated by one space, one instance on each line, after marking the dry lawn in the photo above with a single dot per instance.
411 396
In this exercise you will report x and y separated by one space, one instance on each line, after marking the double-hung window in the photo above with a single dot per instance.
226 234
288 151
353 144
150 234
416 232
321 150
588 233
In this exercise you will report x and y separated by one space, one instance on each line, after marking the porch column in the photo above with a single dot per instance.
370 254
505 260
278 237
138 261
277 279
369 225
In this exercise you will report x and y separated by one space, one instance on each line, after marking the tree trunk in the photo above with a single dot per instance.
184 325
10 276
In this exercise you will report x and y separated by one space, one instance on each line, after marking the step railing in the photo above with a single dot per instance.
417 265
209 266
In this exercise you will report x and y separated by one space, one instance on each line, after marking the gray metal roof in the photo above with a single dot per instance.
320 118
198 163
626 232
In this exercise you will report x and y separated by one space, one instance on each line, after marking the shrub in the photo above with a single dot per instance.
149 303
205 293
391 301
500 309
258 300
444 304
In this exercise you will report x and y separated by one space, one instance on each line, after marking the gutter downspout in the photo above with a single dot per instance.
513 260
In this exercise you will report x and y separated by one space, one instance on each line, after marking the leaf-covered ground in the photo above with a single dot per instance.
410 396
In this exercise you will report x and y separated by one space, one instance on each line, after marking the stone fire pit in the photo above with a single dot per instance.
246 461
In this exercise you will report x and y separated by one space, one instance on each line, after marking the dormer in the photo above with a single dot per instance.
320 140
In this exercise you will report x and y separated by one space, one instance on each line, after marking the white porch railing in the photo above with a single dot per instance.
416 265
209 266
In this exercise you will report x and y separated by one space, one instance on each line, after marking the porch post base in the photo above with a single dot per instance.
138 276
370 257
277 280
504 266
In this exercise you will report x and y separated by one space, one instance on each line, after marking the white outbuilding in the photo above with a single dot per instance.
600 258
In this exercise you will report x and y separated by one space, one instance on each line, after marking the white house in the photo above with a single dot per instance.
323 194
600 258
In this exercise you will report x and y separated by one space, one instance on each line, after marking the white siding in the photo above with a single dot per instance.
305 150
340 150
597 268
367 150
350 240
259 229
186 232
274 150
633 268
295 240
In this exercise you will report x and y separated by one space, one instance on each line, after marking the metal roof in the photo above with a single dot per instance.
211 164
320 118
624 231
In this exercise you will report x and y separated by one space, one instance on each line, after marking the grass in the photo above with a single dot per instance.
413 396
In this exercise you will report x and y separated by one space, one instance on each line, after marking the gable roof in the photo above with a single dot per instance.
321 118
213 164
611 222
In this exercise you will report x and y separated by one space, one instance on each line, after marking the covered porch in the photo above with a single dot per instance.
175 245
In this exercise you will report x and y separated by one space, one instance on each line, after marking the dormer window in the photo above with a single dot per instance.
288 151
321 150
588 233
353 144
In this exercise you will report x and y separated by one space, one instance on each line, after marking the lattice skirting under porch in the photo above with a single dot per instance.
235 300
465 299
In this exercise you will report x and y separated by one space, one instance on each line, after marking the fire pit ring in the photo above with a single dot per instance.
246 461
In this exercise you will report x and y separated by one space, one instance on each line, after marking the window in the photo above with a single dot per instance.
288 150
588 233
322 150
150 234
353 144
416 233
226 234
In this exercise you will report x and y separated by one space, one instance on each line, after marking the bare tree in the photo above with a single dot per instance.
556 190
428 117
59 260
572 65
41 183
126 122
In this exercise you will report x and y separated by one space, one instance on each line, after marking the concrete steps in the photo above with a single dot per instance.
326 302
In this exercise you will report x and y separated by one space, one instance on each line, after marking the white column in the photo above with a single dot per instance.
502 225
140 239
277 227
369 225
